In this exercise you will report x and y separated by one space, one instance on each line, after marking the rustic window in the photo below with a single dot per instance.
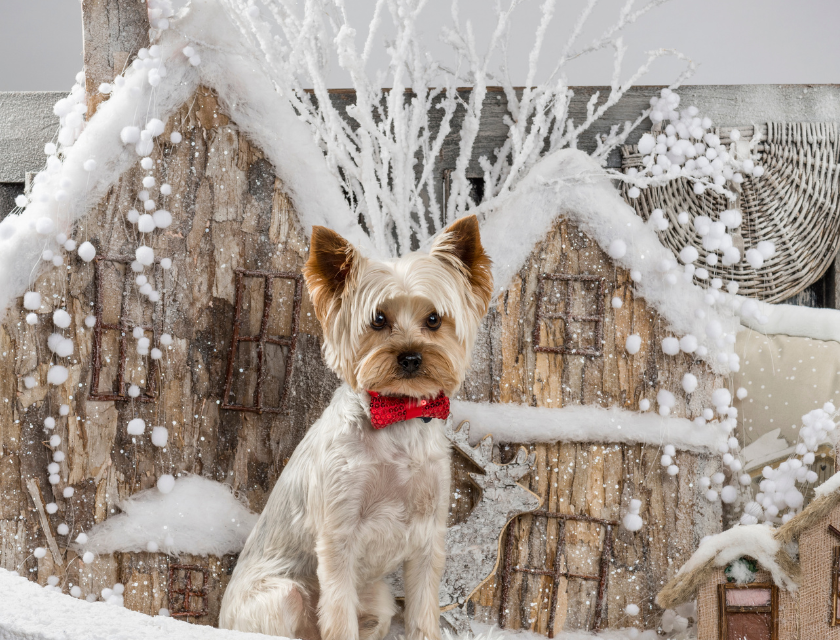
835 579
560 568
187 590
748 611
265 330
570 312
115 361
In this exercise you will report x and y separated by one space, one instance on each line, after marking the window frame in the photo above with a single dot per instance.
724 609
262 338
568 317
188 591
124 328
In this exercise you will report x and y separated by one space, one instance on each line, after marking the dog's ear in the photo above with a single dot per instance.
328 270
459 246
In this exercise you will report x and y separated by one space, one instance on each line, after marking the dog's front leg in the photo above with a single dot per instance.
339 600
421 574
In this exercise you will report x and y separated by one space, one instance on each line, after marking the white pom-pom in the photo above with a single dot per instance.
64 348
166 483
666 460
688 254
51 508
688 343
147 163
21 201
635 275
54 478
29 382
87 251
617 249
670 346
68 492
754 258
49 422
633 192
165 263
152 546
156 354
55 440
175 137
130 135
794 498
70 245
729 494
148 182
89 165
144 147
165 189
133 391
145 255
646 144
31 318
62 530
160 436
136 426
616 302
146 224
766 248
90 322
195 60
689 382
644 404
188 51
155 127
61 318
632 609
76 591
731 218
673 470
632 522
57 374
162 218
39 552
665 398
165 339
32 300
721 397
735 135
88 558
711 495
633 343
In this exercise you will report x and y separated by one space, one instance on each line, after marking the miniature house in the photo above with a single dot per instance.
791 591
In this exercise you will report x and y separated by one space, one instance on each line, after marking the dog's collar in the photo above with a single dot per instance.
386 410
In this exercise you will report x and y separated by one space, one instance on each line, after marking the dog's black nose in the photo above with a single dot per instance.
410 362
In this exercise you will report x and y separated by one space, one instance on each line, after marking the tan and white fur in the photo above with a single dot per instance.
354 503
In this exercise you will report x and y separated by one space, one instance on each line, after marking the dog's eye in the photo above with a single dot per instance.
433 322
378 321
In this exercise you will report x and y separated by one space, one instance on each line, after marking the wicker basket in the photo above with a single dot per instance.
795 204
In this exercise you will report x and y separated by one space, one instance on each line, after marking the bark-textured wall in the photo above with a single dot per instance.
594 480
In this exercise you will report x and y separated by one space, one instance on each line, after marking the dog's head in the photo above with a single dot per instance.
404 327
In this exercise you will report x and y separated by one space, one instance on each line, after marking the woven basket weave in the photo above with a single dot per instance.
795 204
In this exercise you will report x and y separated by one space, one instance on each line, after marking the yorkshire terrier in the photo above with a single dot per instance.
367 489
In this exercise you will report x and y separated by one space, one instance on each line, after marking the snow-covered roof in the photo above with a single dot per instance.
793 320
757 541
567 182
509 422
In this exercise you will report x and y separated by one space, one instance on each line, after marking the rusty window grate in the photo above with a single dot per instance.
748 610
123 328
262 338
556 572
570 345
180 599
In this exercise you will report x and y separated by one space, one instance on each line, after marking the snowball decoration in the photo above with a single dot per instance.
31 318
689 382
673 470
688 343
721 397
616 302
62 530
160 436
617 249
665 398
148 182
136 426
175 137
156 353
166 483
58 456
57 375
68 492
646 144
731 218
145 224
165 263
632 521
87 251
88 557
55 440
29 382
133 391
39 552
766 248
89 165
49 422
689 254
61 318
165 189
632 609
21 201
130 135
76 591
44 226
644 404
729 494
195 60
165 339
54 478
64 348
145 255
633 344
132 216
51 507
147 163
32 300
162 218
70 245
90 322
155 127
670 346
635 275
754 258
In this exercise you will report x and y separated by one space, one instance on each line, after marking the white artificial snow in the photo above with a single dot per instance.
508 422
791 320
756 541
829 486
197 516
31 612
571 184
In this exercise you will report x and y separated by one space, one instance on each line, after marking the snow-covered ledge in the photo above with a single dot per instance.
31 612
519 423
792 320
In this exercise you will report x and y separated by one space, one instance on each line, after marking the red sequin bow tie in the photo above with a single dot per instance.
386 410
